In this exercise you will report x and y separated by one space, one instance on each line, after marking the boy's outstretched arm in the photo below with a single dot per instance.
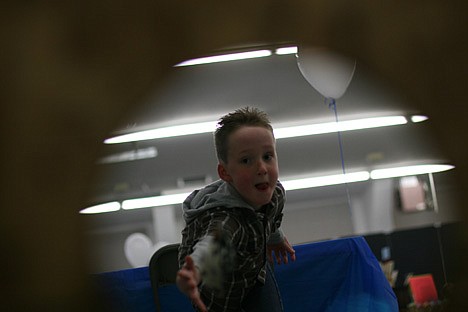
281 251
187 281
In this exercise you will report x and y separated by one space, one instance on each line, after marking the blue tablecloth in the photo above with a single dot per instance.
336 275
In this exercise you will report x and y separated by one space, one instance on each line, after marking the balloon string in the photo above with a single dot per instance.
332 106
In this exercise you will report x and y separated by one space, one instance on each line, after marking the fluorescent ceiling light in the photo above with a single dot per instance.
348 125
408 170
166 132
225 58
286 50
418 118
295 184
154 201
173 199
325 180
137 154
280 133
101 208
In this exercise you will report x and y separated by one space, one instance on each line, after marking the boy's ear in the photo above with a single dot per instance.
223 174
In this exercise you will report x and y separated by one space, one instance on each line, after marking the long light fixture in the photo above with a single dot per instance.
335 179
166 132
329 127
154 201
238 56
408 170
418 118
136 154
289 185
226 58
101 208
280 133
286 50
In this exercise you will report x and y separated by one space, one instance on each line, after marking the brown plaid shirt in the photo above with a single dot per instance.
249 231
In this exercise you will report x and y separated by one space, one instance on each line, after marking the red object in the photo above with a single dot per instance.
423 288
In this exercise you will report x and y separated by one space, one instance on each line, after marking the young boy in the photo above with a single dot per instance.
242 210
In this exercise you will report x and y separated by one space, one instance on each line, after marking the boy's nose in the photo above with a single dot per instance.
262 168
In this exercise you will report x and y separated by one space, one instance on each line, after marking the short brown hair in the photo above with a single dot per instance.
247 116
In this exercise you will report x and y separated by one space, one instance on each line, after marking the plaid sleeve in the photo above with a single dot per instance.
214 223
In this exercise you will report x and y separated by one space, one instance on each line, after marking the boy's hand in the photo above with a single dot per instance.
281 252
187 281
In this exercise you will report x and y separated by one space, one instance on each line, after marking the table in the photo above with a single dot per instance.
334 275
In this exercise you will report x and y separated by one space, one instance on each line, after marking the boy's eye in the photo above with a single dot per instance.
245 160
268 157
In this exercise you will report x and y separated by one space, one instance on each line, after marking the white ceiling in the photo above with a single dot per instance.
274 84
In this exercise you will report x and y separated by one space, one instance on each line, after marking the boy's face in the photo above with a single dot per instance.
252 165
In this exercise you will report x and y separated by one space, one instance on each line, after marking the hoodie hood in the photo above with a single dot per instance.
216 194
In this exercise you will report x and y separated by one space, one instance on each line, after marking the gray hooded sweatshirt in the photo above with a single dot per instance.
219 205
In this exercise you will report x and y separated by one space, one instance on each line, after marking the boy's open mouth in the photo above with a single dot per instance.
261 186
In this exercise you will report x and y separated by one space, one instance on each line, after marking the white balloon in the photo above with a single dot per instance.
138 249
328 72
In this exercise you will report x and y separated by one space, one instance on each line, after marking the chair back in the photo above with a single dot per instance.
163 269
